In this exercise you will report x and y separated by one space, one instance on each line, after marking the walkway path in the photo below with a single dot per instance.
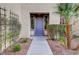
39 46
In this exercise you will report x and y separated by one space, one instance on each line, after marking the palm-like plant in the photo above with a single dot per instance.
68 10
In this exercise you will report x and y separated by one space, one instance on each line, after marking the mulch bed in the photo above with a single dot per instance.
59 49
23 51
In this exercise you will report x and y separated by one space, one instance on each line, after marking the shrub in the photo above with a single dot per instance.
62 39
76 36
9 36
0 45
16 47
23 40
53 29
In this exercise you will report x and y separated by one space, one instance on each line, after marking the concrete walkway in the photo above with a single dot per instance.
39 46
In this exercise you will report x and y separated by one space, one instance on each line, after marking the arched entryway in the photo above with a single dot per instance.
39 23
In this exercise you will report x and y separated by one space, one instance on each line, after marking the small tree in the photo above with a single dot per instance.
68 10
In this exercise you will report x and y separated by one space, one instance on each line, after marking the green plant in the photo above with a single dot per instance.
68 10
54 29
0 45
9 36
51 30
23 40
62 39
16 47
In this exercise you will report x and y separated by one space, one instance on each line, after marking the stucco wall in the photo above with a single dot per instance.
75 25
24 10
36 8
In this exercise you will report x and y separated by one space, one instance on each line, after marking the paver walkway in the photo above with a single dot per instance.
39 46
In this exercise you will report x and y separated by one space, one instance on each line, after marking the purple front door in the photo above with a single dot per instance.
39 31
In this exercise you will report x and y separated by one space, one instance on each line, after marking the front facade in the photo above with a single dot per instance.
28 12
34 19
41 10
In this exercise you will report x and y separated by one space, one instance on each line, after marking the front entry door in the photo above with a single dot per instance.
39 27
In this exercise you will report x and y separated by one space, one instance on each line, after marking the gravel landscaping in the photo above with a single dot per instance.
59 49
23 51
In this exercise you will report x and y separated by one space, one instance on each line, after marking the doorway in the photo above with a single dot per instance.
39 23
39 26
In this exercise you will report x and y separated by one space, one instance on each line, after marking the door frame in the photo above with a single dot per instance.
45 14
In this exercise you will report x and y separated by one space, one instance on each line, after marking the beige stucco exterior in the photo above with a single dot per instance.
37 8
24 10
